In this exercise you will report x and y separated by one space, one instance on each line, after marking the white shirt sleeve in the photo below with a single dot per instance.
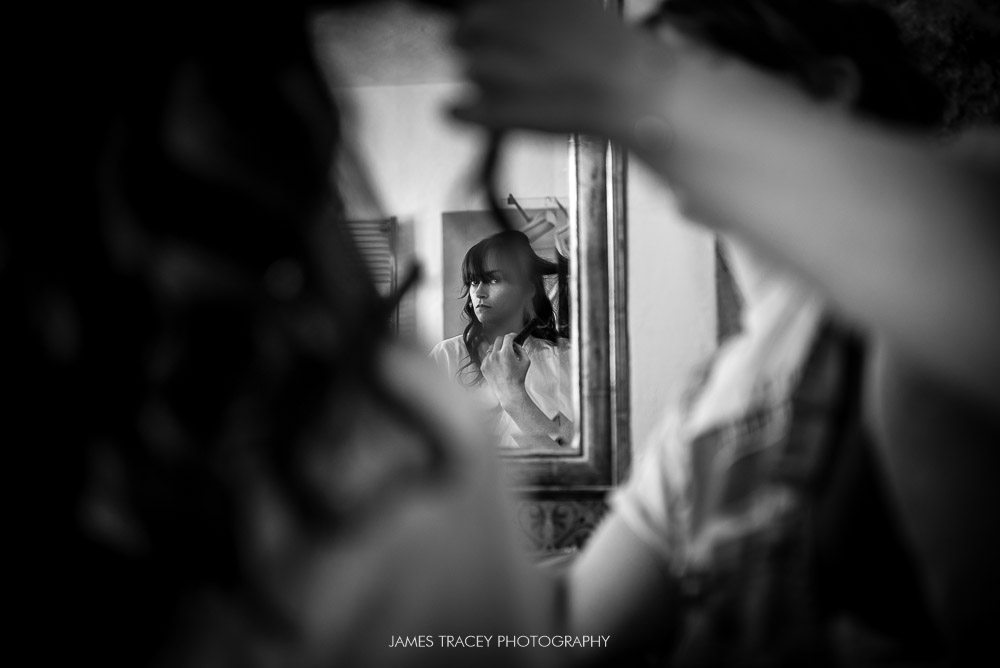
548 380
440 356
449 355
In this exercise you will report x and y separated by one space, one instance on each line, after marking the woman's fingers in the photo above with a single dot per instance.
502 73
504 347
518 23
532 113
542 66
496 25
508 342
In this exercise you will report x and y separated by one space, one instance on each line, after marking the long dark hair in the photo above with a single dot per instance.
798 39
542 323
179 311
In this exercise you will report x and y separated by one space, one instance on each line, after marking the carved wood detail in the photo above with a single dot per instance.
556 525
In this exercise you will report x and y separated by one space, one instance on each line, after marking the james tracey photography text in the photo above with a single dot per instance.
481 641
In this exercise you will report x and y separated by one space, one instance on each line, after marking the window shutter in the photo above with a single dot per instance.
376 244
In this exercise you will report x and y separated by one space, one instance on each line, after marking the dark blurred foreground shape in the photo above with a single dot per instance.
214 447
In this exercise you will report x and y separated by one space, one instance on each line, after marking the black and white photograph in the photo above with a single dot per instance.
489 333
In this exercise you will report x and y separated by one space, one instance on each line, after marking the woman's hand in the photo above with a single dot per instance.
505 366
557 66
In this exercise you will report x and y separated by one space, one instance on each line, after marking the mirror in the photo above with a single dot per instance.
558 286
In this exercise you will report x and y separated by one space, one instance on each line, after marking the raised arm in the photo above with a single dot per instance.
619 588
896 233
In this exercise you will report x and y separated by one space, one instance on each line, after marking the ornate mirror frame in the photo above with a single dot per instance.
600 457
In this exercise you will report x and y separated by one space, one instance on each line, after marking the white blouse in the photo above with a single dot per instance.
547 383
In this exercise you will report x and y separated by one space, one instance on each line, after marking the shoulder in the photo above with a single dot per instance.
539 347
551 360
449 355
449 347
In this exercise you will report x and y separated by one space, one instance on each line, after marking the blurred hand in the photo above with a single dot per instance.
505 366
557 66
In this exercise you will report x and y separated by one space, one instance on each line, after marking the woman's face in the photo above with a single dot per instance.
502 296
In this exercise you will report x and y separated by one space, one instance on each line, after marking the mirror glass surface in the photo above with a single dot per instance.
409 177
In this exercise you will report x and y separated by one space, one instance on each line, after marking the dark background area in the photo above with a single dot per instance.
958 44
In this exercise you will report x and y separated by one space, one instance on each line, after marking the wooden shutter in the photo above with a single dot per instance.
376 241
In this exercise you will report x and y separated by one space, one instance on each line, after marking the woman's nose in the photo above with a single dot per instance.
479 290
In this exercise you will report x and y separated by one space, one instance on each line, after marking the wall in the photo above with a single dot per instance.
671 301
422 164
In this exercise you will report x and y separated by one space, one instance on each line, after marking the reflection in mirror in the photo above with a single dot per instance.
492 306
511 351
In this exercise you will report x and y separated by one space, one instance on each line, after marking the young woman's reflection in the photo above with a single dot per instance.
512 356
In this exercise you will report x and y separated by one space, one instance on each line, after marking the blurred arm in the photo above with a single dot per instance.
619 587
896 233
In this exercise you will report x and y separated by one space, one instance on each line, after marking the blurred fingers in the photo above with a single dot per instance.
532 113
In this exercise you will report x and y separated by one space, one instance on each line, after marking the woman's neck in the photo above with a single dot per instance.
490 334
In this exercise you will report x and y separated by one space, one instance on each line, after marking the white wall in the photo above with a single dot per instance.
422 164
671 301
672 316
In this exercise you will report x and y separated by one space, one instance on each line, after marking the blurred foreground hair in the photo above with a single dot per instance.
803 40
181 310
